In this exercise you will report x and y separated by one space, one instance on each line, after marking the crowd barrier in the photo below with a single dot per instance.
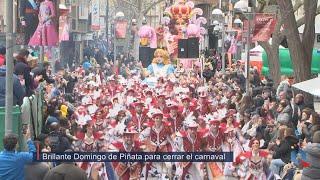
30 114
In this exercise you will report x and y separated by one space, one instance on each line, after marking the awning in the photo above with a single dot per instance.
311 86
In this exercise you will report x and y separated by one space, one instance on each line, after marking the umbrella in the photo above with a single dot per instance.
310 86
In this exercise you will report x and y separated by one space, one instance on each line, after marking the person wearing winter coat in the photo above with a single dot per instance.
66 170
284 113
22 68
313 158
282 154
18 90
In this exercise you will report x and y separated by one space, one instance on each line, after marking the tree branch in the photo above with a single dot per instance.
297 5
308 35
129 3
151 6
301 21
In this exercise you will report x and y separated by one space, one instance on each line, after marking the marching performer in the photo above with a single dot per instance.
157 139
233 140
139 116
250 165
127 170
214 144
191 141
175 118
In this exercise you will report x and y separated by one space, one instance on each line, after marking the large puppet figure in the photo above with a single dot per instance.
46 33
29 10
182 23
148 43
160 66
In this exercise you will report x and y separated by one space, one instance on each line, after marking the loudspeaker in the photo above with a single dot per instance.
193 48
145 56
188 48
183 48
318 38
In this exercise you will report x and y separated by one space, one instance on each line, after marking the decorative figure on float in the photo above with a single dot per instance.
182 23
161 66
46 33
29 10
148 43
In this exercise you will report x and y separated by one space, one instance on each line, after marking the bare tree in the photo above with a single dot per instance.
300 48
292 34
140 8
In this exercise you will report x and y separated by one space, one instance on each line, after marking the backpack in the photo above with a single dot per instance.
55 142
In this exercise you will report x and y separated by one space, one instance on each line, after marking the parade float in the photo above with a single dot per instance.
183 21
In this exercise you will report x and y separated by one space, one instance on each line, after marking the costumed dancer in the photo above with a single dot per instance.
175 118
252 165
139 116
214 144
127 170
191 141
157 139
233 140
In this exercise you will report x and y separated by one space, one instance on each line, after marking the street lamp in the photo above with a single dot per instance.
243 7
218 13
237 21
119 14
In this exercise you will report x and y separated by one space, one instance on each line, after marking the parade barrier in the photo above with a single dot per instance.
30 115
16 125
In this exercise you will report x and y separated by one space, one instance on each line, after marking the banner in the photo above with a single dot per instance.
83 10
95 16
121 29
264 27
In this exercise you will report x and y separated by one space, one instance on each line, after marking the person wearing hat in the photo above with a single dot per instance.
160 103
203 105
175 118
131 170
233 139
157 138
187 108
191 141
139 116
214 140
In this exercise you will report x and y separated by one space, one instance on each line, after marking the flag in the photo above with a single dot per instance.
121 29
95 16
264 27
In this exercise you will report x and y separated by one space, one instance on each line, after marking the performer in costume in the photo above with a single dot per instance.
214 140
251 165
157 139
191 141
233 140
139 116
29 10
46 33
175 118
127 170
161 65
